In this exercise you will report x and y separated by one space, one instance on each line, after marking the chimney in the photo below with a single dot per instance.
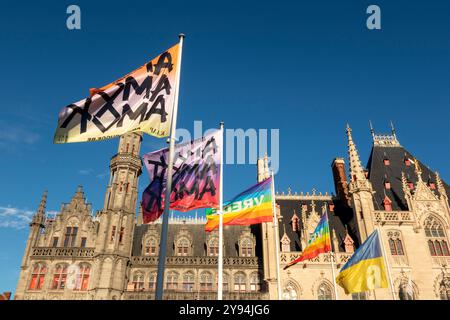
340 180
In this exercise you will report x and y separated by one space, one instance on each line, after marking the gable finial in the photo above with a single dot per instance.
393 130
372 131
417 169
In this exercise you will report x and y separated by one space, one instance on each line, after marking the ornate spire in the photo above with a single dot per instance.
417 169
356 169
39 217
372 131
440 186
405 186
393 130
42 204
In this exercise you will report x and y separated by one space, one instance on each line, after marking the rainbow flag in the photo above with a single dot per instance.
252 206
318 243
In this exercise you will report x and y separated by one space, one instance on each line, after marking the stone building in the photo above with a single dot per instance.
113 255
396 194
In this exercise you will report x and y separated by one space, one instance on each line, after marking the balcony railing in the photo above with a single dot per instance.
399 261
180 295
339 258
441 261
393 217
63 252
247 262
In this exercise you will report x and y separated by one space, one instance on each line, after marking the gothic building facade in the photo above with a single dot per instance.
113 255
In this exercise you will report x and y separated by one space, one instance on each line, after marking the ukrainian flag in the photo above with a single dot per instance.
365 270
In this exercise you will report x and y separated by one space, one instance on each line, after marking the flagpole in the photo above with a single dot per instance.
277 237
386 262
165 220
220 257
331 256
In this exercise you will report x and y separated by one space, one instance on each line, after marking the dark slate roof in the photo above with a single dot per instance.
341 217
379 172
197 232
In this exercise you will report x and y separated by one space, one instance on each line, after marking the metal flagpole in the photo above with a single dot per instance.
220 257
165 219
277 237
332 256
386 262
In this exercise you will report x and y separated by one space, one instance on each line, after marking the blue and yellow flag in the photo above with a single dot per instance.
365 270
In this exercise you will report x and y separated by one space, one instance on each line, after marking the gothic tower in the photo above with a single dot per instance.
360 190
117 219
36 225
268 238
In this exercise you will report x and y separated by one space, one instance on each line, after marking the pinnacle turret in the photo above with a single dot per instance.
356 169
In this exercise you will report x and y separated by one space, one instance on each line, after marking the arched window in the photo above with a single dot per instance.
254 282
152 281
188 281
172 280
183 246
70 236
444 287
206 281
406 290
395 243
246 247
213 247
240 282
290 291
225 283
138 281
437 240
83 277
37 276
59 277
150 247
324 292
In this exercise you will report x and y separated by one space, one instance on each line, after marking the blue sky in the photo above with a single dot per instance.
304 67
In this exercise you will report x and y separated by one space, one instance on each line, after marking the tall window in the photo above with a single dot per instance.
183 247
121 234
226 280
206 281
240 282
59 277
246 247
387 203
437 240
138 281
37 277
152 282
83 278
359 296
188 282
83 242
71 234
324 292
172 280
254 282
213 247
150 247
55 242
395 243
113 233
